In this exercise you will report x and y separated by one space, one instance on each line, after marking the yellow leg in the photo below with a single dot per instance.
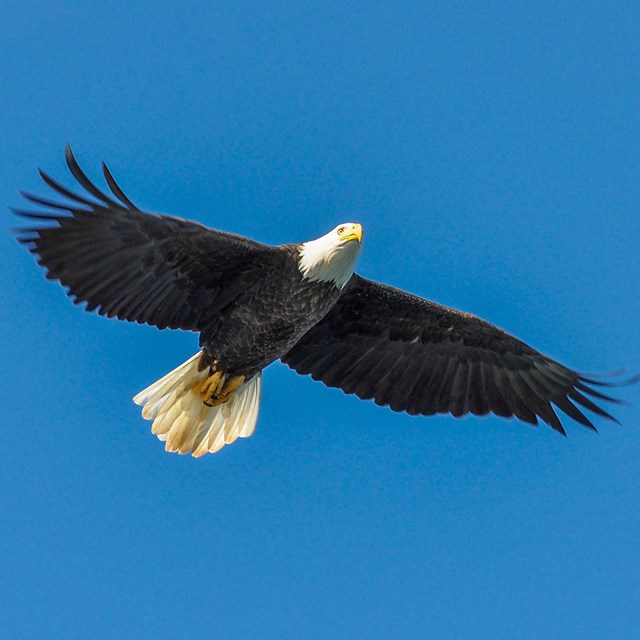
211 387
225 393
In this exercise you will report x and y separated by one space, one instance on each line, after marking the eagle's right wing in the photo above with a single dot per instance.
125 263
417 356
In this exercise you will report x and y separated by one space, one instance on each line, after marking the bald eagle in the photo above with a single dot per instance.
253 304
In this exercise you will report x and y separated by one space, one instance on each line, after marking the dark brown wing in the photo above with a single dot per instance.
420 357
137 266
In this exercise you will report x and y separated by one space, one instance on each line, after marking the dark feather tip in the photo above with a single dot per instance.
115 188
590 378
34 215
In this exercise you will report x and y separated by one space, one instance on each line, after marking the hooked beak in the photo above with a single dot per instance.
355 233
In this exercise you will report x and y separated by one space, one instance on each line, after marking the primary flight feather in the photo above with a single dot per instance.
253 303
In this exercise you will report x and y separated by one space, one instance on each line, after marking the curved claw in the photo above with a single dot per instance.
211 387
227 390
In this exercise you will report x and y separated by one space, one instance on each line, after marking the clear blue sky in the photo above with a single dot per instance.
491 151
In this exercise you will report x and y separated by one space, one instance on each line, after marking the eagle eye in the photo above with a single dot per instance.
340 230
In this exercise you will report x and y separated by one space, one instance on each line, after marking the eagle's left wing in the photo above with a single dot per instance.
420 357
137 266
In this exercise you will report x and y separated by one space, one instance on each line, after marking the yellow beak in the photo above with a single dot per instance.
354 233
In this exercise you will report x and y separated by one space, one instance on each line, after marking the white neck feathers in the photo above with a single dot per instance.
328 259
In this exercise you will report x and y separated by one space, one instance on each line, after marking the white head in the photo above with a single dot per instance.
332 258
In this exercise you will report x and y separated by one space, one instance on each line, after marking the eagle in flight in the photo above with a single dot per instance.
253 304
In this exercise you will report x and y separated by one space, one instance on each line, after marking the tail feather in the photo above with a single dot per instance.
185 423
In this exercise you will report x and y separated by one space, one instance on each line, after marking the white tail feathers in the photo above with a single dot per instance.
185 423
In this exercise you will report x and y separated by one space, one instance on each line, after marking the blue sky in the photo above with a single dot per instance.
491 152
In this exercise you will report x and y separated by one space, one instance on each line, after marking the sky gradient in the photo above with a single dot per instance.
490 151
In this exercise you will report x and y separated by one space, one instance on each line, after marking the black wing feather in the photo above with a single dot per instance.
137 266
82 179
420 357
116 190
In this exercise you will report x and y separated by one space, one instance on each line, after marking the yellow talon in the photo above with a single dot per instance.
225 393
211 387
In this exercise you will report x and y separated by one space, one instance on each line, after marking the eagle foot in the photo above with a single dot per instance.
227 390
216 389
211 387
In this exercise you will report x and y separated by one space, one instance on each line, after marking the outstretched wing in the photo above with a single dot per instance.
137 266
420 357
